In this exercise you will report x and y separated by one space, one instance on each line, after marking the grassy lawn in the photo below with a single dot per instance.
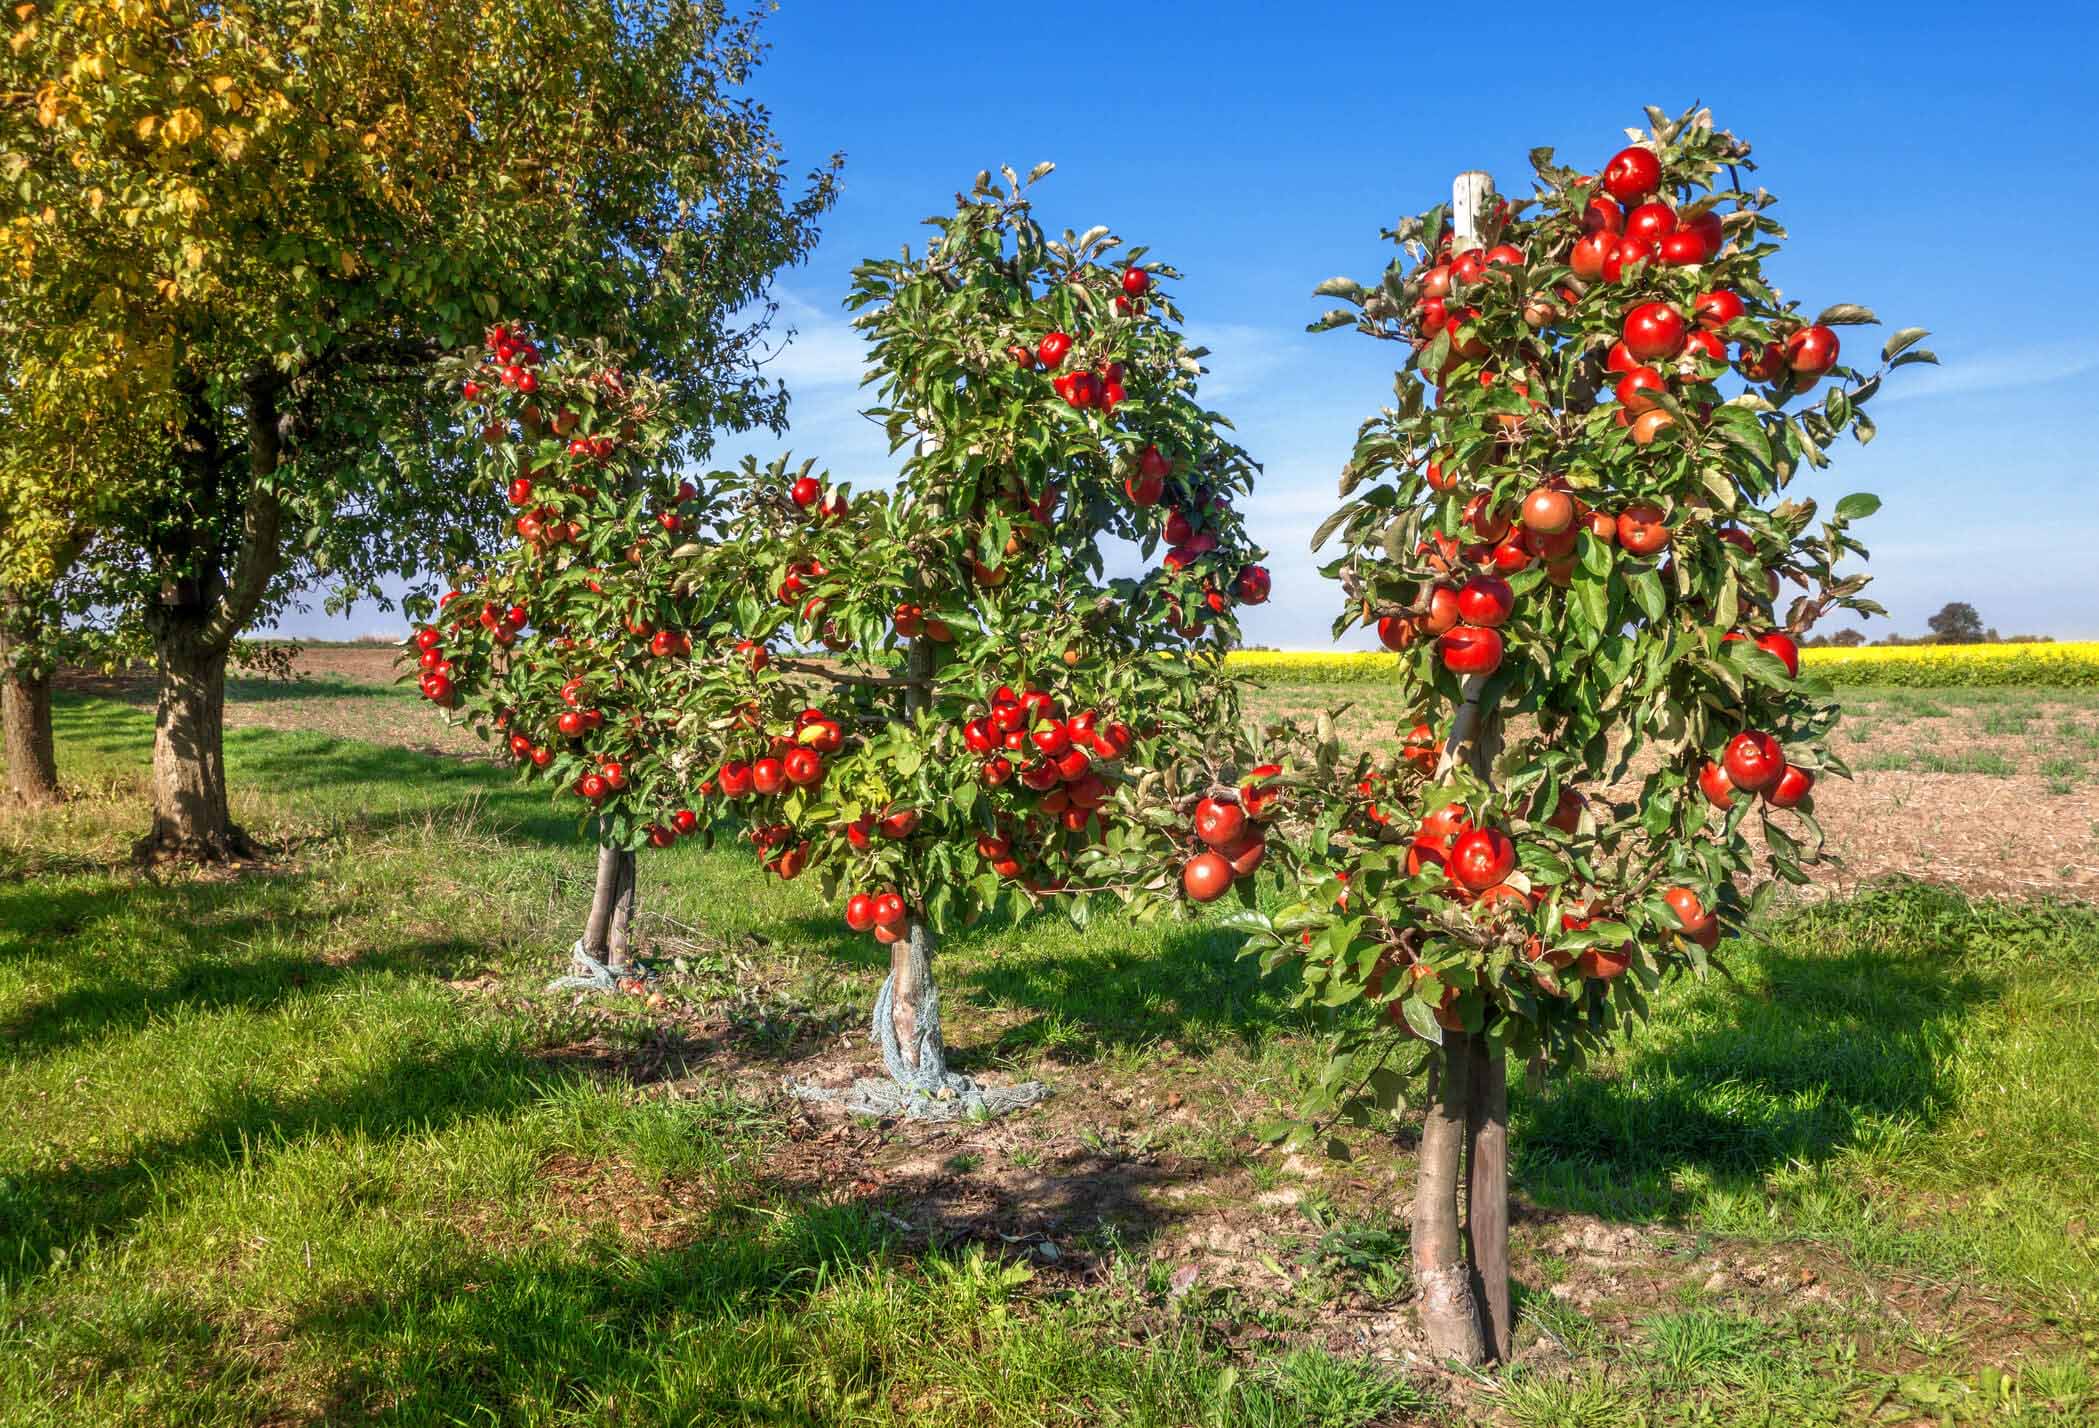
307 1144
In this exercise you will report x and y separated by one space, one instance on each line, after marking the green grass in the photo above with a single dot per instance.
266 1161
1987 762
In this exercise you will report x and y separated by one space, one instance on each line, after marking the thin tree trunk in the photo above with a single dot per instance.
910 984
1487 1192
609 932
25 708
1449 1313
191 817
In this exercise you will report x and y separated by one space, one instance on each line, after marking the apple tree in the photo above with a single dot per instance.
1010 725
1577 524
589 646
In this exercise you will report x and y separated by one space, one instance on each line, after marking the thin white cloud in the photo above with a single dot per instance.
1988 371
814 348
1241 356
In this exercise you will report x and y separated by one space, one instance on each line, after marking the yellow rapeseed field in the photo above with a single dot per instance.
2071 665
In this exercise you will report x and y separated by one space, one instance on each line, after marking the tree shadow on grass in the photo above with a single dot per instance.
60 932
49 1211
1115 986
1825 1046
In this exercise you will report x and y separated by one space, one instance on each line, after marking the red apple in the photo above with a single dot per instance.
768 775
1206 877
1218 823
1591 254
1395 632
1470 650
803 766
1753 760
1642 528
1718 308
1481 858
1632 174
1811 351
1790 788
1650 223
1777 642
1715 785
1634 386
1485 600
1548 512
1654 331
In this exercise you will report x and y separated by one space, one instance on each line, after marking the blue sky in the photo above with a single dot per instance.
1933 160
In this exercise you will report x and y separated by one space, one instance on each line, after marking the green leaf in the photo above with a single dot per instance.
1646 587
1341 288
1331 524
1902 341
1592 601
1845 314
1919 355
1857 506
1422 1020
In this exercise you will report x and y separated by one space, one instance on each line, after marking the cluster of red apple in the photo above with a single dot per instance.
1229 828
779 850
1659 345
514 358
807 493
1752 764
1464 619
885 914
1187 541
912 621
610 778
792 760
1100 388
1030 722
436 680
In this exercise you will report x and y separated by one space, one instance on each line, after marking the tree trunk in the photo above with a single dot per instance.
190 814
608 935
1487 1192
25 709
910 984
1449 1312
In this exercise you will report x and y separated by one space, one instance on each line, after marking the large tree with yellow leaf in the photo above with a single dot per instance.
282 212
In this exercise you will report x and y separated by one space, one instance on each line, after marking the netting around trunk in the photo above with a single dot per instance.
926 1091
587 974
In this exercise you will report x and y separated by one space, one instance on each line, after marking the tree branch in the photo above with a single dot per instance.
839 676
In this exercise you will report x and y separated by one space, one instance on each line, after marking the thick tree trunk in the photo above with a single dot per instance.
1449 1311
25 711
609 934
191 818
1487 1192
32 761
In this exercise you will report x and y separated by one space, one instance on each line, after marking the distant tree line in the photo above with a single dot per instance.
1957 623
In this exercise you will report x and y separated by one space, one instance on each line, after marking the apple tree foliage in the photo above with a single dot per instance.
934 696
1581 521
